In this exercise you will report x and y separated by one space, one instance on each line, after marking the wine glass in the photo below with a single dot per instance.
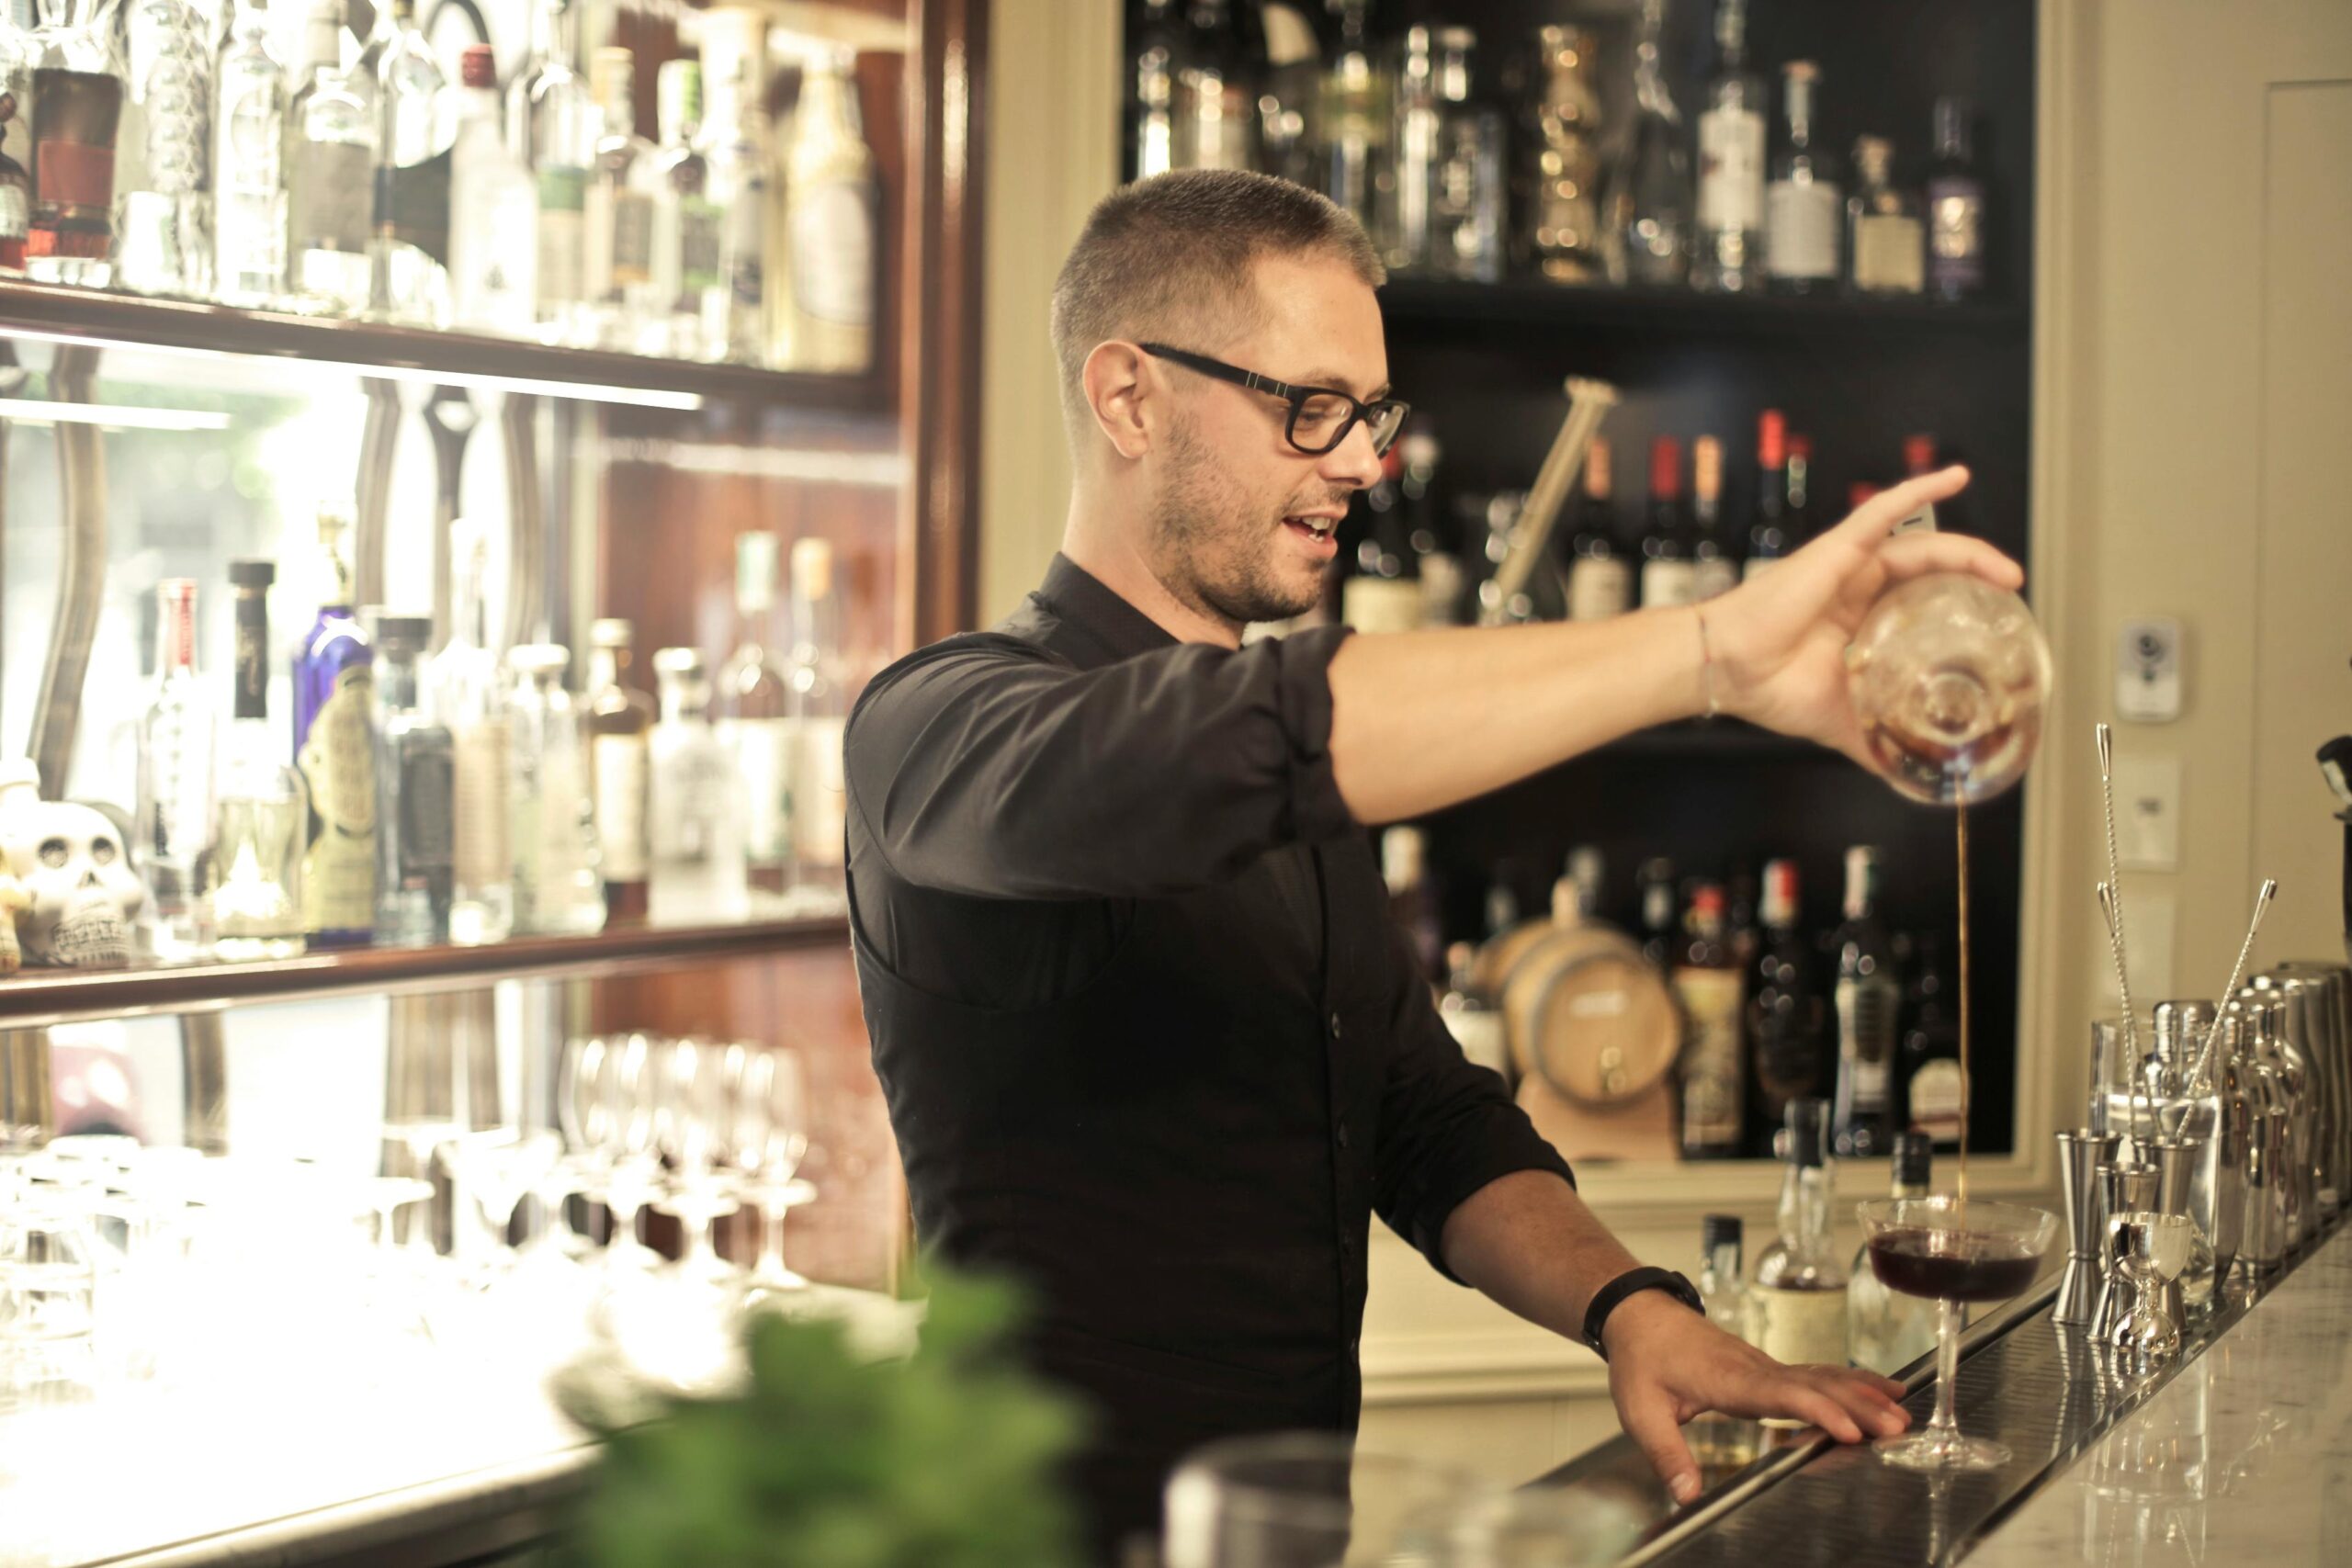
1948 676
767 1135
690 1120
1955 1251
611 1100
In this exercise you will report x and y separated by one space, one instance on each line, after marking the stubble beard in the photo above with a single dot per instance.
1213 549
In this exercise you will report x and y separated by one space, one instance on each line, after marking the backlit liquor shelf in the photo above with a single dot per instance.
38 997
382 349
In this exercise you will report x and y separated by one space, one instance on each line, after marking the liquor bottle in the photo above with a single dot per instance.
827 319
739 155
1798 1300
619 718
335 745
248 164
1600 579
1739 916
1883 233
415 792
1466 198
330 171
1649 202
1669 576
1784 1008
494 211
1869 1002
1383 594
686 219
1722 1443
1803 211
550 124
1215 91
1955 208
1796 513
77 99
696 816
820 715
1919 454
407 279
1474 1022
1928 1069
1768 537
253 881
1437 563
1708 984
1289 61
1412 898
622 188
1152 91
1888 1329
1655 882
1402 229
17 53
1563 218
1576 896
1354 116
1714 568
755 719
469 699
551 812
167 230
1501 903
1731 163
175 788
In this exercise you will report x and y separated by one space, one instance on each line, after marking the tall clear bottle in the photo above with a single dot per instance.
619 718
820 715
1798 1302
685 216
253 882
755 719
1890 1330
408 278
1731 163
248 164
330 171
493 211
1649 202
697 820
175 788
1355 119
469 699
1467 198
335 746
623 188
415 792
827 294
1804 212
166 149
1869 1000
740 155
551 822
1217 91
550 123
1722 1443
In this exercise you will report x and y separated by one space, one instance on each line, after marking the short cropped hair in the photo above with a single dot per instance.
1169 258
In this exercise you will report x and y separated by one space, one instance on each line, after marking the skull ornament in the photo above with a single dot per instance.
86 899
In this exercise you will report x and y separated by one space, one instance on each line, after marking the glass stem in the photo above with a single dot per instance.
1947 1370
772 1237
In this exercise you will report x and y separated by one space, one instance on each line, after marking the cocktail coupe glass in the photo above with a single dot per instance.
767 1138
1957 1253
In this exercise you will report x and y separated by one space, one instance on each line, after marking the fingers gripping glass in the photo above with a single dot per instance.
1320 417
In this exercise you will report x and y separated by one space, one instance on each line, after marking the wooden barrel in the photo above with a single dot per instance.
1584 1011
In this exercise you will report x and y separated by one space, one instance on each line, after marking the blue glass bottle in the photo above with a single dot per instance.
335 745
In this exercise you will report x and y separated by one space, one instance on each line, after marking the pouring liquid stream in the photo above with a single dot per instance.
1967 1081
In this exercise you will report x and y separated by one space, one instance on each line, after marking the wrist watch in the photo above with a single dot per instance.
1632 1282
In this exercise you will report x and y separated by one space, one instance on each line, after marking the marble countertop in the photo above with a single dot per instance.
2243 1457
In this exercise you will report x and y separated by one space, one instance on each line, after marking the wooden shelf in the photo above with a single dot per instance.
36 998
1415 304
414 353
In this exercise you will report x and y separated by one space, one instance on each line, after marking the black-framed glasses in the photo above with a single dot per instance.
1320 417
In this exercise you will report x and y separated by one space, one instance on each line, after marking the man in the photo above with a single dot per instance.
1149 1040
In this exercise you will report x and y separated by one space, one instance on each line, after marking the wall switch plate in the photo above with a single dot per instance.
2148 659
2147 812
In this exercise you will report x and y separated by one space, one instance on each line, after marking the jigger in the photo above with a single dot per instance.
2177 1161
2151 1249
2081 1155
2126 1190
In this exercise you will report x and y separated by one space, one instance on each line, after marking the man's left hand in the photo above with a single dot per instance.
1668 1364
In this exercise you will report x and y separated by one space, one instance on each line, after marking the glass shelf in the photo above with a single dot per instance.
38 997
415 353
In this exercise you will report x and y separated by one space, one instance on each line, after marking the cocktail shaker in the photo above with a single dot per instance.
2317 996
2081 1155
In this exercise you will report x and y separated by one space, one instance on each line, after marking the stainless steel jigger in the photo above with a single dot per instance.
2150 1249
2177 1161
2081 1155
2127 1190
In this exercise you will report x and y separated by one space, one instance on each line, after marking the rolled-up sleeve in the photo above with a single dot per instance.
988 768
1447 1127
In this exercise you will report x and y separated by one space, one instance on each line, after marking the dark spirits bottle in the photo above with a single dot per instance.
415 793
1955 209
1707 983
1868 1001
1668 574
1784 1012
620 721
1767 535
1656 880
1600 579
1715 562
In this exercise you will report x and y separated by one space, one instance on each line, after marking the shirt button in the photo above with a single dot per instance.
1336 1030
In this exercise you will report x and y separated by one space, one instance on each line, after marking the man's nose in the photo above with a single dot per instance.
1355 461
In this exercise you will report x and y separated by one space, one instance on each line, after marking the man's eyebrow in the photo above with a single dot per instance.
1338 379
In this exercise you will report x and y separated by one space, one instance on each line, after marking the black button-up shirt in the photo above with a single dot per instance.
1148 1038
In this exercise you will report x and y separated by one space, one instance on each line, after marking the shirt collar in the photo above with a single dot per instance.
1084 603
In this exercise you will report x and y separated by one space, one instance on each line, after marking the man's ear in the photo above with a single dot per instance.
1125 396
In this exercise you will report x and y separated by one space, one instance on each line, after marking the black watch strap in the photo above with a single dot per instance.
1632 1282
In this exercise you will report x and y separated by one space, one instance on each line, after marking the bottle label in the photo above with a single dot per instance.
1717 574
1712 1104
820 801
1801 230
631 258
1800 1328
412 205
1887 256
563 200
1381 604
338 762
482 856
763 751
699 221
1599 587
1866 1022
832 246
1956 231
425 789
1731 169
1935 1100
621 764
328 197
1666 582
